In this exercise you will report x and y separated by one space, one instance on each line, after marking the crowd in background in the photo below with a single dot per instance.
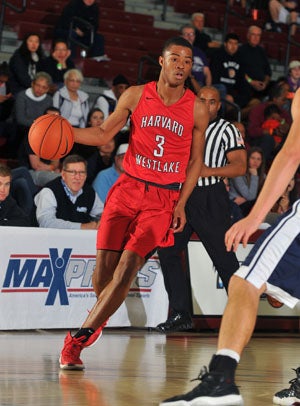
33 83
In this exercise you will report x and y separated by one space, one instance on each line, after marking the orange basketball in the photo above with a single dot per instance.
51 136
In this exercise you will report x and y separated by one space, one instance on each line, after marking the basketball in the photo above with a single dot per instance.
51 137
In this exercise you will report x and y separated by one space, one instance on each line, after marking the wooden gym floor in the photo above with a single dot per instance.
130 367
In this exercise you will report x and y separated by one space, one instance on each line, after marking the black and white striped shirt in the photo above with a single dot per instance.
221 137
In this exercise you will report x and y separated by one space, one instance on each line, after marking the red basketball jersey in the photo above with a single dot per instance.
161 137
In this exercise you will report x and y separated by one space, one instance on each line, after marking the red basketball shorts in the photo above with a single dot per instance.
137 217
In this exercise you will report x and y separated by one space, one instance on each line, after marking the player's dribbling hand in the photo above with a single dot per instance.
239 232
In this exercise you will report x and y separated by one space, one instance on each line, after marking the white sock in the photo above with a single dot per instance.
229 353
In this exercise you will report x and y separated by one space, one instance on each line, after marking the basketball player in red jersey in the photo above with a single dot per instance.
147 203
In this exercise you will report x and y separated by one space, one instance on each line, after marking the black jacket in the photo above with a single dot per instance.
12 215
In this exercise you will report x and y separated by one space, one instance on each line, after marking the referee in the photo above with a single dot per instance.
208 213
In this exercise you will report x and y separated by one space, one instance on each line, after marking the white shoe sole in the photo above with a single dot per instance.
285 401
229 400
67 367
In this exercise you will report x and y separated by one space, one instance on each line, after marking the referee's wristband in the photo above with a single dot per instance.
249 80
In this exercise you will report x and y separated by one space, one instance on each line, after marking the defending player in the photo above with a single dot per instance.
166 146
272 267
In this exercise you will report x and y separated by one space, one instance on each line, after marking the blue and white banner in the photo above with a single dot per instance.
46 282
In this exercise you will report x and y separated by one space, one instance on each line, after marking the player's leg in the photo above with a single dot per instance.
106 263
108 301
271 266
217 385
115 292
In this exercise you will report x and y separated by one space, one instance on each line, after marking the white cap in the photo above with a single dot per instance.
122 149
294 64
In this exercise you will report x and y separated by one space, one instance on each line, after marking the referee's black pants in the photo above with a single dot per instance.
208 215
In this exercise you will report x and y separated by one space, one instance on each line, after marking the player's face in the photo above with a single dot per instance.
74 176
255 160
231 46
4 187
176 64
212 100
33 42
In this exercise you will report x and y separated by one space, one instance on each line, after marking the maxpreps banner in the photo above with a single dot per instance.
46 282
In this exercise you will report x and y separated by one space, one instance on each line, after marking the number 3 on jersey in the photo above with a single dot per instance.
159 151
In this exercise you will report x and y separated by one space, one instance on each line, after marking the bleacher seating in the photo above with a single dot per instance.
128 36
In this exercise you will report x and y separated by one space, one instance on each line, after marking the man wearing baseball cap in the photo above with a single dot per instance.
293 77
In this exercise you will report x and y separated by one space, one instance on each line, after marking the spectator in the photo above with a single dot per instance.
10 213
227 70
257 136
283 12
67 202
203 40
7 126
103 157
31 103
273 120
84 11
107 103
6 99
201 74
106 178
72 102
108 100
293 78
23 63
57 64
256 67
243 190
41 170
284 203
23 189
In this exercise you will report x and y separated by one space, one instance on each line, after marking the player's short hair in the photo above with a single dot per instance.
180 41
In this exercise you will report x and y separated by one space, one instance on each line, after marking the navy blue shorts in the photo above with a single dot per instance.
275 259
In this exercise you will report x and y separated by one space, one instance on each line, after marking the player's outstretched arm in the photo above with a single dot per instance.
282 170
114 123
201 119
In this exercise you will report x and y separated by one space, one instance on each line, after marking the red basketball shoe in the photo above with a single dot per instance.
69 357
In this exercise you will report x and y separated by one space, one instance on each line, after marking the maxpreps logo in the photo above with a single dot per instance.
64 275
